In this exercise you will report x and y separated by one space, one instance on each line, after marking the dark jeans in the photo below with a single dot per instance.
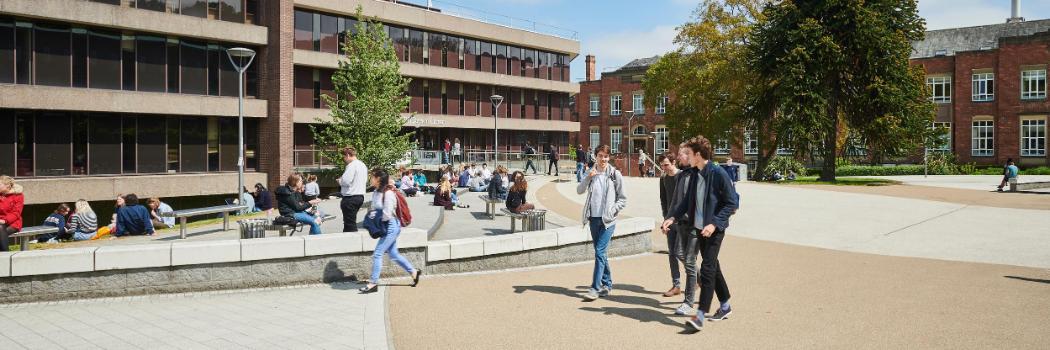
689 248
674 253
529 164
5 231
711 280
552 165
349 206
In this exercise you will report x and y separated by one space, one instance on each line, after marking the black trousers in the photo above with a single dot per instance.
6 231
711 280
350 205
552 165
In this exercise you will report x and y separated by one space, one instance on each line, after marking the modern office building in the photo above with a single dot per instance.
100 97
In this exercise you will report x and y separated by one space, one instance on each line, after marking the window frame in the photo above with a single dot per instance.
615 139
982 87
595 106
987 148
945 82
1033 137
637 104
1030 79
946 140
616 104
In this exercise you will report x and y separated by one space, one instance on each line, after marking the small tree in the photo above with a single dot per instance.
368 100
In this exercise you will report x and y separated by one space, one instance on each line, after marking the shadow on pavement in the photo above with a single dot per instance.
651 303
1036 280
639 314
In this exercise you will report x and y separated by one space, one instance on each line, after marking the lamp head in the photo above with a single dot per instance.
496 99
240 52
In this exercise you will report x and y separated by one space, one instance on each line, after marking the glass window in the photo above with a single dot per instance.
661 105
129 126
152 145
595 106
229 76
228 147
80 60
194 157
943 142
329 34
940 88
595 137
173 65
1033 137
53 139
304 30
415 42
52 54
80 143
615 104
661 139
750 140
151 56
231 10
982 135
103 60
173 139
637 105
104 135
215 54
7 141
127 58
1033 84
722 144
983 87
24 53
194 64
213 144
152 5
7 52
24 125
251 11
196 8
251 144
615 138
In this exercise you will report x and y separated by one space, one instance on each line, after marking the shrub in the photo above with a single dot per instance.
1043 170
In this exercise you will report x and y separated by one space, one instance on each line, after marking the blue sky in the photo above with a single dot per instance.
616 31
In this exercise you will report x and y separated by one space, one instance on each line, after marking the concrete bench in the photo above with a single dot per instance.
1024 186
290 230
490 205
184 214
28 233
528 219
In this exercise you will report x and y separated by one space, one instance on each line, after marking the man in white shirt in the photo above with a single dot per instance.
486 174
352 187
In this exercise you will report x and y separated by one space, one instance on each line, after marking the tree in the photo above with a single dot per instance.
839 64
368 100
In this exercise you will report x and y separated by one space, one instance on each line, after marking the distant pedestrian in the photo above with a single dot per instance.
529 153
605 200
457 152
311 190
581 162
1009 172
668 184
11 203
552 155
642 158
447 152
384 202
710 200
352 187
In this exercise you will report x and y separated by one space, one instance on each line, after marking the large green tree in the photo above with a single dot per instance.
368 100
834 65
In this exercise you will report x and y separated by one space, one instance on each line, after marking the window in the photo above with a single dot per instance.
983 87
24 53
661 105
750 141
595 109
80 60
103 60
329 34
231 11
1033 137
595 137
615 104
661 139
615 137
722 145
1033 84
637 105
104 133
426 98
784 146
151 58
196 8
7 53
52 44
982 136
53 140
940 88
304 30
943 142
194 67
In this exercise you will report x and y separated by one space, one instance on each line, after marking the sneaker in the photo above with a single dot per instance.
604 292
683 309
32 241
721 314
591 295
695 323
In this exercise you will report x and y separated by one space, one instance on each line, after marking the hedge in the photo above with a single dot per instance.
874 170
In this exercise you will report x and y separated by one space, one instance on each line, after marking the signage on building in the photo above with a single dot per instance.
426 121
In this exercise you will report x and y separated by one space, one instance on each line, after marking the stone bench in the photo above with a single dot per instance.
1025 186
184 214
528 219
282 230
28 233
490 205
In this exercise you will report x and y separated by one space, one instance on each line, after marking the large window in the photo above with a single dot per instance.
983 87
52 44
982 137
103 60
661 139
940 88
615 104
194 67
595 137
151 58
595 106
661 105
615 138
1033 84
722 144
637 105
7 53
1033 137
196 8
104 135
751 141
943 142
53 140
304 30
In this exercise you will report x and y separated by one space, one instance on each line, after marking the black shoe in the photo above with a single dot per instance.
695 323
415 279
366 290
721 314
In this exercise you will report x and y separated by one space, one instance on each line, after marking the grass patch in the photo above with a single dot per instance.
839 181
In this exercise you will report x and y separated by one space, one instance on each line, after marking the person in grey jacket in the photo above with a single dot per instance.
605 200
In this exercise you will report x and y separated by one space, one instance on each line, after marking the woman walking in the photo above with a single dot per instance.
384 202
605 200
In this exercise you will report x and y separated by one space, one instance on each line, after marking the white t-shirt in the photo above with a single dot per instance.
352 183
486 174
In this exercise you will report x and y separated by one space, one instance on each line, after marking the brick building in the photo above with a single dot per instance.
99 97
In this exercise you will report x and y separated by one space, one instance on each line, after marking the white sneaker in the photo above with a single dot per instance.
591 295
683 309
33 241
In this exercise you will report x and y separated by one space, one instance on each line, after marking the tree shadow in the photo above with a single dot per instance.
1036 280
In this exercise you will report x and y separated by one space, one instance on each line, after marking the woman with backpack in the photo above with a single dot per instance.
385 203
605 200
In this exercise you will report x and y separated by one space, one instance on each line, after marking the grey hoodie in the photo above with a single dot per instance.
615 200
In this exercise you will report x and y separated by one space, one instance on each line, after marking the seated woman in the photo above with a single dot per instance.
132 218
249 201
263 200
290 203
84 223
408 184
421 182
311 190
498 183
477 183
516 197
158 211
443 195
56 219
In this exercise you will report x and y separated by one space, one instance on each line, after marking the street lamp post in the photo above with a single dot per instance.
241 58
630 118
496 101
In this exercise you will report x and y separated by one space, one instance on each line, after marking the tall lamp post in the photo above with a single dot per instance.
496 101
241 58
630 131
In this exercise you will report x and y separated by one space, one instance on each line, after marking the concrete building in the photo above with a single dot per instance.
100 97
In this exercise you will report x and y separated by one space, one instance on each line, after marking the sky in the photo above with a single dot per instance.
617 31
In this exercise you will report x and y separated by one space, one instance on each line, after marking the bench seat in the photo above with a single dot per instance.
27 234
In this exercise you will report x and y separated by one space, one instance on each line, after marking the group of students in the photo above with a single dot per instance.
697 198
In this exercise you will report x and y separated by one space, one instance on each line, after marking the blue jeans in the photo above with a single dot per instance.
601 236
83 236
388 244
579 172
315 228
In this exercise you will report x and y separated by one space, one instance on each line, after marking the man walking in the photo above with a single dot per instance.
529 152
709 201
581 162
352 187
552 154
668 184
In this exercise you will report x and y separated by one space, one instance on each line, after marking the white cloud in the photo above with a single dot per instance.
616 49
940 14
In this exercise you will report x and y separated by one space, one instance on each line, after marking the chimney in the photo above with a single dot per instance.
590 67
1015 12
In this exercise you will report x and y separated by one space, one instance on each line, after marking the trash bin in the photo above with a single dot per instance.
537 220
253 228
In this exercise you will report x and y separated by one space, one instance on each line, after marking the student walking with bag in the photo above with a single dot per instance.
605 200
385 204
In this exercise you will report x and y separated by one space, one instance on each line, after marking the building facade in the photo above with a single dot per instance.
100 97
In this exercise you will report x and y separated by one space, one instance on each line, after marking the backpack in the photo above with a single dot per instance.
404 214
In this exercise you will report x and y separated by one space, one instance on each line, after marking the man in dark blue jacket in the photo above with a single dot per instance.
710 201
132 218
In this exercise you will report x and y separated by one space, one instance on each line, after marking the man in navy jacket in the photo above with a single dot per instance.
710 200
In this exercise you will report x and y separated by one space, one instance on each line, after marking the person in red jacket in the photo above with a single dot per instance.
11 202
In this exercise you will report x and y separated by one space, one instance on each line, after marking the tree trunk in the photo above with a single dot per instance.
827 173
766 145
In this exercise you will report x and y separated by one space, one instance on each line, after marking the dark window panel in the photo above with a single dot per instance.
251 80
304 87
24 126
80 143
152 144
194 67
415 43
231 10
173 65
24 52
111 2
326 85
251 11
315 32
329 34
52 44
228 147
80 46
104 60
397 36
213 9
104 135
127 54
152 5
501 59
194 157
251 144
214 62
213 144
470 54
229 77
128 131
151 56
7 52
173 140
195 8
315 90
7 141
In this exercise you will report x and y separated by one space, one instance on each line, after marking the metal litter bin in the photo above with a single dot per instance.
537 220
253 228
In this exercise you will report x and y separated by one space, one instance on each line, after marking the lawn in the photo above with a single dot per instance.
840 181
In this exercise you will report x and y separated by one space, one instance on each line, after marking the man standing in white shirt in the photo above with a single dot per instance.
352 187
